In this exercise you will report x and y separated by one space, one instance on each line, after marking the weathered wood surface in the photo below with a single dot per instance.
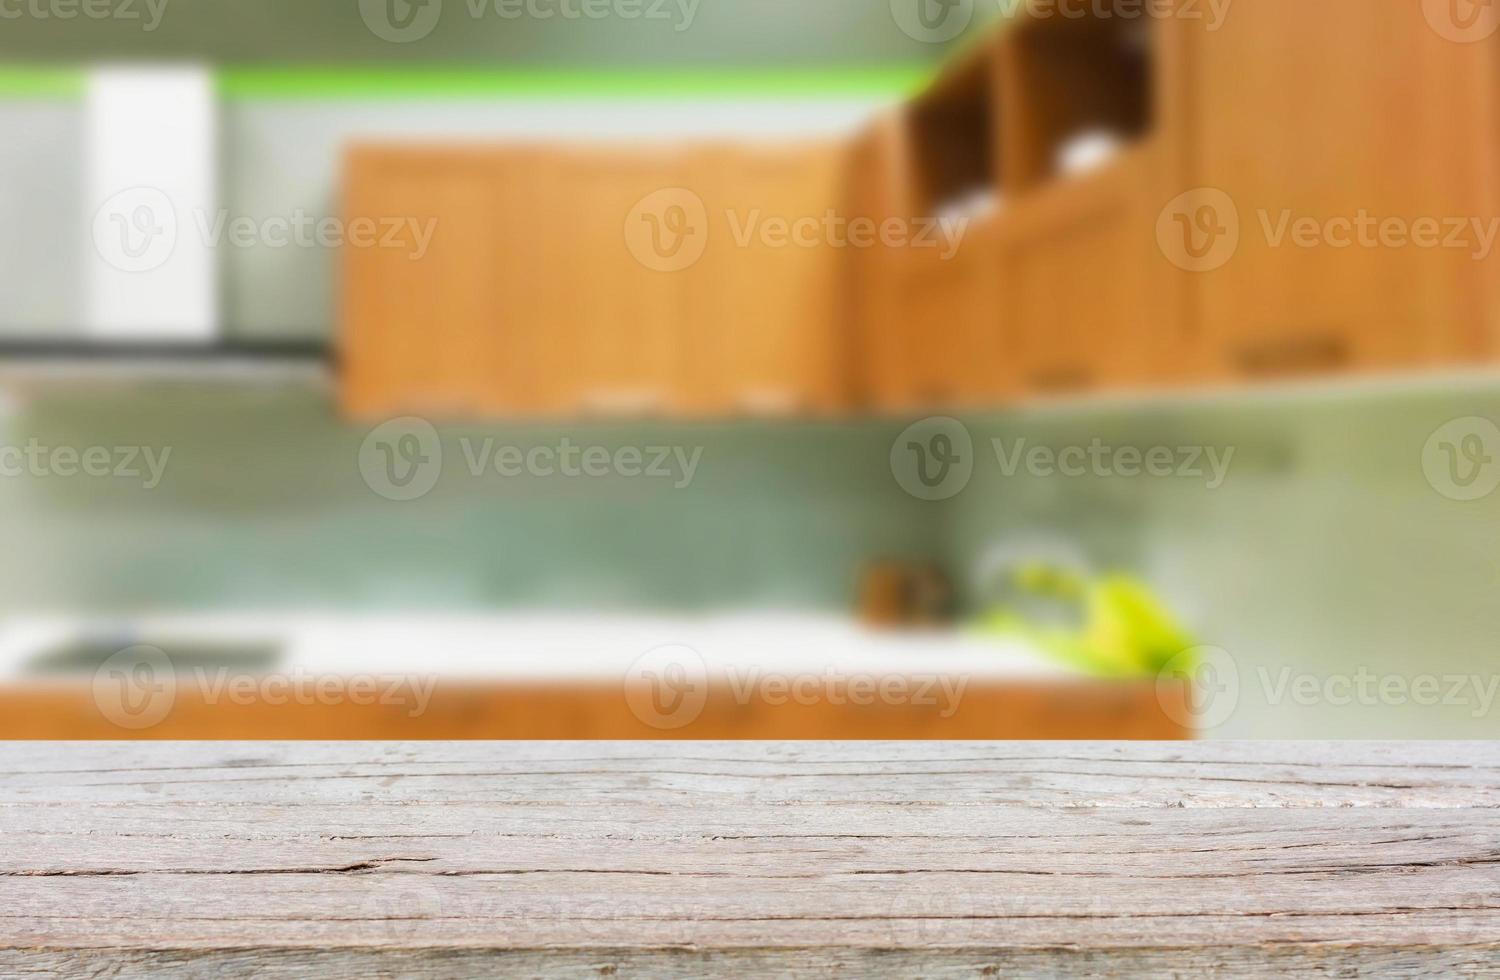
686 859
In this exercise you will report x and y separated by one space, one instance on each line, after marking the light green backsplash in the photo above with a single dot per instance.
1325 551
263 506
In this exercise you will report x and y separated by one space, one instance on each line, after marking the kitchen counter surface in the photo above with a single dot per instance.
538 647
692 859
543 676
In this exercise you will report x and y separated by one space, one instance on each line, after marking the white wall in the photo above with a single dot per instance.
41 218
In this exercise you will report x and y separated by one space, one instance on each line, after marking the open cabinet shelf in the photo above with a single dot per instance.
953 135
1076 93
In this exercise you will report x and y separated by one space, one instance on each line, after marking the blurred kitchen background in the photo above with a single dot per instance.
1346 555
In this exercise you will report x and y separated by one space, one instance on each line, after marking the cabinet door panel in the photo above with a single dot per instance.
878 187
1077 257
952 343
423 332
1335 111
622 320
767 293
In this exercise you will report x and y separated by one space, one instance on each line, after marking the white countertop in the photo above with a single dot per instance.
540 647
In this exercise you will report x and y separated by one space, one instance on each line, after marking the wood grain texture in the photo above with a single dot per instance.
787 859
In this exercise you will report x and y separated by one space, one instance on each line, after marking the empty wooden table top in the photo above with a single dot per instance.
685 859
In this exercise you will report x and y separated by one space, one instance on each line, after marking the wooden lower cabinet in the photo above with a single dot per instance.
988 709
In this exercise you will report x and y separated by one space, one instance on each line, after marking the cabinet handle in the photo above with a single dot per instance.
621 402
1060 379
1299 354
770 401
936 395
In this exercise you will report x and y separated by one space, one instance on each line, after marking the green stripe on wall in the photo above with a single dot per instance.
40 83
356 83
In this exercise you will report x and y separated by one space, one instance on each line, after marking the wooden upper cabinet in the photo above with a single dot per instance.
1143 200
1324 115
877 187
617 319
1087 148
566 280
767 296
925 313
1077 258
423 329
